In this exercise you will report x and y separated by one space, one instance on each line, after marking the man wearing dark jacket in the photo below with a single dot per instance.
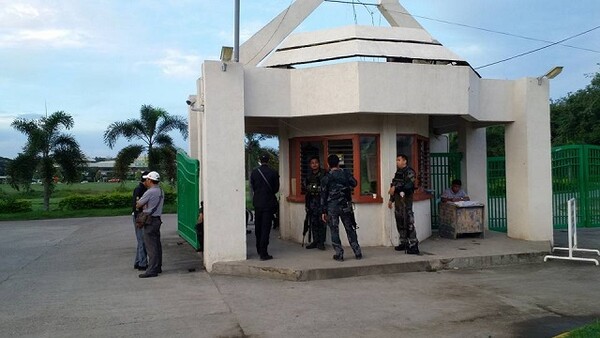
336 204
264 184
141 261
401 199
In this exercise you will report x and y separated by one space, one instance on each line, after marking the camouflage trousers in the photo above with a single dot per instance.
333 220
405 221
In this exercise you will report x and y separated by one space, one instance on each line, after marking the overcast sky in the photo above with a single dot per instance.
99 61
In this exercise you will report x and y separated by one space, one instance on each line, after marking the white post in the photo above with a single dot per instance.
572 240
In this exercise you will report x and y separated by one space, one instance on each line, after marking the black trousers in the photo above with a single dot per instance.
263 220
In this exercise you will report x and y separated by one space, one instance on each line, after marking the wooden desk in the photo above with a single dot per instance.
460 218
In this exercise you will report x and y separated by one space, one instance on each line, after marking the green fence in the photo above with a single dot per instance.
576 174
445 167
188 187
496 208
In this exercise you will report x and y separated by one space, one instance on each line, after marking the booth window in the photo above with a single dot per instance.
358 153
416 148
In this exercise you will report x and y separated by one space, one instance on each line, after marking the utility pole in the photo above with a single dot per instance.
236 31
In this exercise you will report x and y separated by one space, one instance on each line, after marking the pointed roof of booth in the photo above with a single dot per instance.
404 41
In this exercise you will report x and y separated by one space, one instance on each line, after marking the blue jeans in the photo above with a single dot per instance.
140 255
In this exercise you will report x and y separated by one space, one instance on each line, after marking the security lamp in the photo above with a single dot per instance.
551 74
226 53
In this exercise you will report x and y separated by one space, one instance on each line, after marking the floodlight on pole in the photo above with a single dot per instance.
551 74
226 54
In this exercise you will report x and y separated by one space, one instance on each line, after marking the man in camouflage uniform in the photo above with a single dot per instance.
311 187
336 203
401 196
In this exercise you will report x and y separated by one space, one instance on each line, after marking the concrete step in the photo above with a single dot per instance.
295 263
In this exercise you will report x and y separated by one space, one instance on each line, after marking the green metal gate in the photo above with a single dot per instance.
445 167
576 174
188 187
496 181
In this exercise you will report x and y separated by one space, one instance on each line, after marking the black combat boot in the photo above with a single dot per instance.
400 247
413 249
339 258
321 246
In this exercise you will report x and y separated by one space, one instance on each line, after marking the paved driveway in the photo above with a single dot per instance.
75 277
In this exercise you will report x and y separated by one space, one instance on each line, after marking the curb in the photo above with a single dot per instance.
245 269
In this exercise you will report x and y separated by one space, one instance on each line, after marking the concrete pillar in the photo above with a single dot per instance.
222 151
472 143
528 163
194 129
389 234
285 226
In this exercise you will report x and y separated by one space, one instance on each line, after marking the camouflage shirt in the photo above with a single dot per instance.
404 181
336 186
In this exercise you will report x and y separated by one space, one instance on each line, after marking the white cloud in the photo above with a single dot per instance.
176 63
55 38
22 10
22 15
30 25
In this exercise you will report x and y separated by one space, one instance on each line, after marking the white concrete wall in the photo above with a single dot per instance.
528 163
223 184
493 101
368 87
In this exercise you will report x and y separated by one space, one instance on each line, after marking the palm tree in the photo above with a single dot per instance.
46 147
152 129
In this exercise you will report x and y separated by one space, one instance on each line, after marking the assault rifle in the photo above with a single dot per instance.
307 228
347 206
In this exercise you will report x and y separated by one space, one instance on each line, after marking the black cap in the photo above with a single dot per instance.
143 177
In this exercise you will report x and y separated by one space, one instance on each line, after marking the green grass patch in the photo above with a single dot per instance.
591 330
62 191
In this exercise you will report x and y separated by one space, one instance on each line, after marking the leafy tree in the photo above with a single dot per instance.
3 163
152 129
576 117
46 148
21 171
495 141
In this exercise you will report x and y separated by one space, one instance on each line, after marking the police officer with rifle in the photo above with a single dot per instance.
311 188
336 204
401 197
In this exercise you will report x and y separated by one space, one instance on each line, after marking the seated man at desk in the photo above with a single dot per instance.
454 193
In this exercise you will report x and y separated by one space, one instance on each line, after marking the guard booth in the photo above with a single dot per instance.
368 93
188 187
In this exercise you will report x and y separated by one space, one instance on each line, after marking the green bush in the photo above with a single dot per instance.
104 201
12 205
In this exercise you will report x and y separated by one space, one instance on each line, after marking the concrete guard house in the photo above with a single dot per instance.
364 93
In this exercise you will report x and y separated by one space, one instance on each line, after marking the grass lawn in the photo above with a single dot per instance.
35 196
591 330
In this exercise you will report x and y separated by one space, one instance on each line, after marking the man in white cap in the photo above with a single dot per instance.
152 202
141 258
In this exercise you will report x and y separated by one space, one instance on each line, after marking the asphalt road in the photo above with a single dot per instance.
75 277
